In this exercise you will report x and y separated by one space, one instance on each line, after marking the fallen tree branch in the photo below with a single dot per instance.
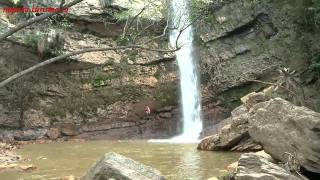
35 19
158 37
49 61
155 62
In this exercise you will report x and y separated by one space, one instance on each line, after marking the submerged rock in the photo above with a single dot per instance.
28 167
7 156
282 127
213 178
253 166
115 166
9 159
71 177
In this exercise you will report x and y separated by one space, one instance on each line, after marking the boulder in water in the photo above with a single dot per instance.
233 136
115 166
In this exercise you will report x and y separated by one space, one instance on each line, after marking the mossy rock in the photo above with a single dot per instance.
231 97
167 94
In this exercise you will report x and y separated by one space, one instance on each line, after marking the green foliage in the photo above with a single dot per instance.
227 176
57 52
33 38
315 66
167 94
316 6
110 62
65 24
122 15
157 74
99 78
200 8
122 41
312 17
131 92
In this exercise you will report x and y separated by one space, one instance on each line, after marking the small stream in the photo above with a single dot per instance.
175 161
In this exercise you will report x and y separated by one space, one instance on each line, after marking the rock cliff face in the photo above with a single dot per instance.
243 40
98 94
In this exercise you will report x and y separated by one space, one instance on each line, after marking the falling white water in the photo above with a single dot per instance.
190 96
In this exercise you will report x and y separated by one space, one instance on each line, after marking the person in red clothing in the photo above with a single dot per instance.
147 110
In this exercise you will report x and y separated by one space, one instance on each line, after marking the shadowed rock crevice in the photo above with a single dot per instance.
261 23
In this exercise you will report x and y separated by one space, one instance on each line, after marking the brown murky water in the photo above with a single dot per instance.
175 161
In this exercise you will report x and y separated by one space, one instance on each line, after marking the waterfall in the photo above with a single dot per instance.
189 81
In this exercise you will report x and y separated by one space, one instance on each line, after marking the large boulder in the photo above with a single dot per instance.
233 136
283 128
69 129
260 166
29 134
115 166
35 119
53 133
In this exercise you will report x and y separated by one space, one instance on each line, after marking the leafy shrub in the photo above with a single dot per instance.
200 8
33 38
122 41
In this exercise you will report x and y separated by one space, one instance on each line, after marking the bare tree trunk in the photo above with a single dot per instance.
21 108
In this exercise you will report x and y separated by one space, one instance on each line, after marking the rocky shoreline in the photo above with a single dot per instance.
288 134
10 160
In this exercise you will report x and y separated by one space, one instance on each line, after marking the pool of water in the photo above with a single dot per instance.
175 161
